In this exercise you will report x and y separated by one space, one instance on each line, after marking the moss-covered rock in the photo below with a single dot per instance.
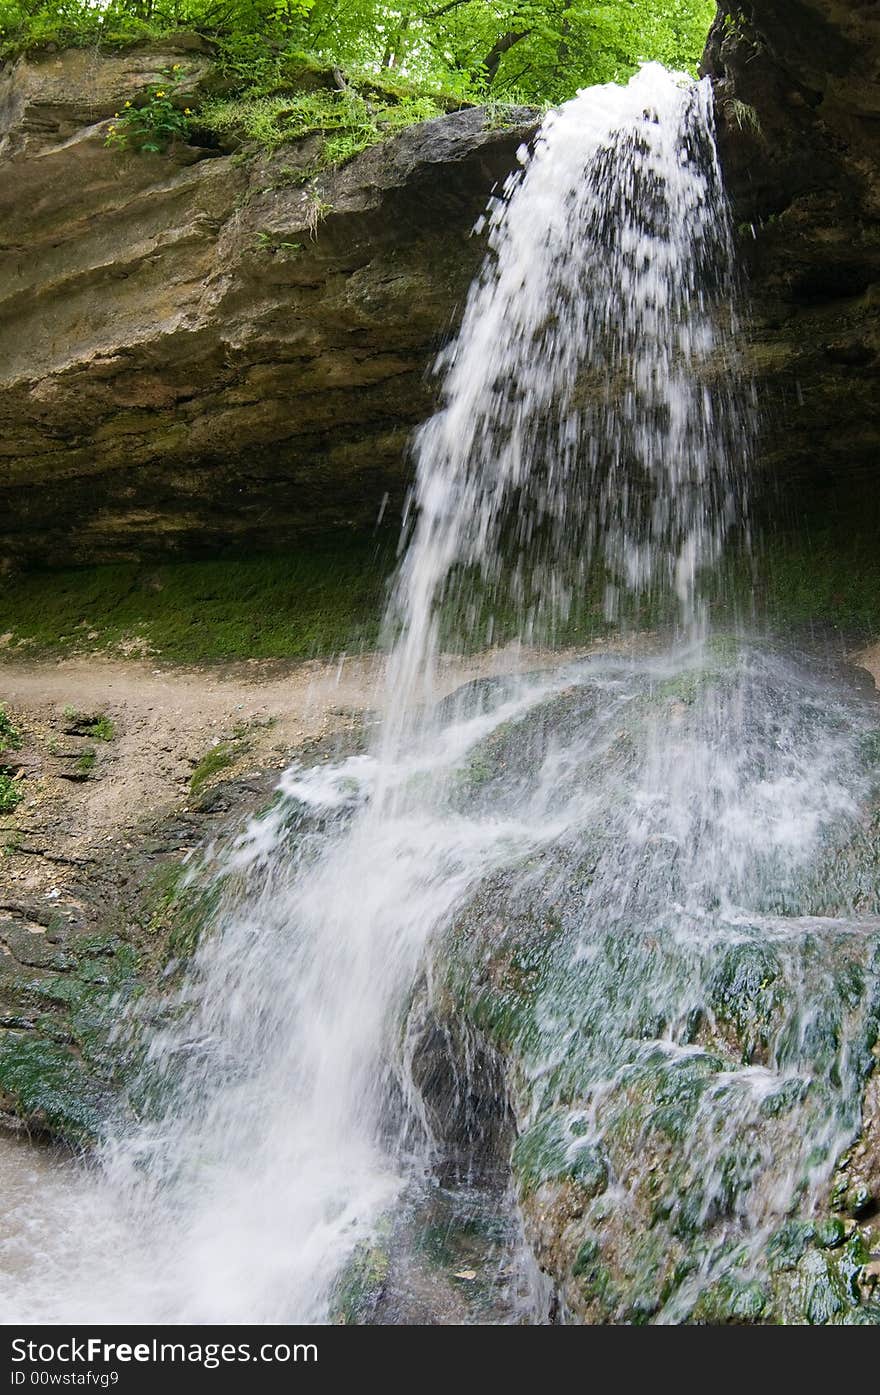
682 1078
82 985
59 1073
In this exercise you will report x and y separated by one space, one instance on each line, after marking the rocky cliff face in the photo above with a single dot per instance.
799 118
198 349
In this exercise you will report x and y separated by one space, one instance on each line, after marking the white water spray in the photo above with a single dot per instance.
590 408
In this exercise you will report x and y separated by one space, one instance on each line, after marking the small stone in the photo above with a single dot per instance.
830 1233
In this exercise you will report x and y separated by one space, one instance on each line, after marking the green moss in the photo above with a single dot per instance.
830 1233
320 600
832 577
450 1241
175 913
10 734
49 1086
826 1293
746 993
731 1300
585 1261
597 1282
72 1054
11 793
218 758
552 1150
63 1073
361 1284
856 1200
327 596
688 687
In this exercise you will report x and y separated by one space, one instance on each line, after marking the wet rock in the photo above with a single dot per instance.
82 976
796 93
669 1077
31 945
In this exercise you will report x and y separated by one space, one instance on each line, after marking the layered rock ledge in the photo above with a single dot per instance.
200 349
203 350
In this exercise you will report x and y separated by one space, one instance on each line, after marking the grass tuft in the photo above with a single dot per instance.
348 121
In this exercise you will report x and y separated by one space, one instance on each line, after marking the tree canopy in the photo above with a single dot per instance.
505 50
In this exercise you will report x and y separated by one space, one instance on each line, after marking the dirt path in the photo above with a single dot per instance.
81 791
166 721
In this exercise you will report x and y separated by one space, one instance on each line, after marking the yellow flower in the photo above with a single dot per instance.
160 94
116 114
187 111
113 130
174 67
128 104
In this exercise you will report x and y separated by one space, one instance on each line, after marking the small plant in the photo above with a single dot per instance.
318 210
11 793
745 116
86 763
501 116
289 177
734 24
267 242
10 736
348 120
156 123
102 728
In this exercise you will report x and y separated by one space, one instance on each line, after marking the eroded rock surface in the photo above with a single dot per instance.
198 349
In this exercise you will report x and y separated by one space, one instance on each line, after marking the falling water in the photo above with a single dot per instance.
611 831
590 411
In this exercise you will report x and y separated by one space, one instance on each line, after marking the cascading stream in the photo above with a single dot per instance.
659 811
590 407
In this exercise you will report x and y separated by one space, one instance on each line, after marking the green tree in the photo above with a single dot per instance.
531 50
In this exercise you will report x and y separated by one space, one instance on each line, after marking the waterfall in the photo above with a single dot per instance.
591 410
652 812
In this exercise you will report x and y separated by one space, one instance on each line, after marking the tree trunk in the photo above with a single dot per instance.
492 61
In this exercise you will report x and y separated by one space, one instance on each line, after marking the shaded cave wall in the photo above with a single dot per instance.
798 105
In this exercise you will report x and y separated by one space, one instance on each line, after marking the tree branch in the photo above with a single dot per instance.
492 61
445 9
